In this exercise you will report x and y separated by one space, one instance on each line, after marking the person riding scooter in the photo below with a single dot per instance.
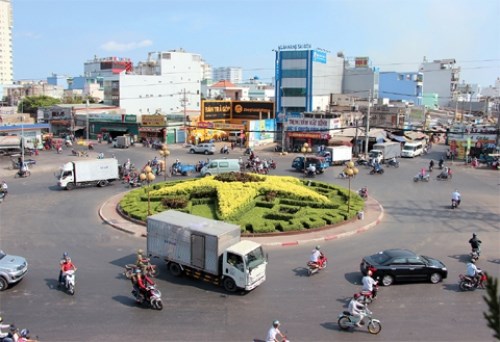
441 162
316 256
475 244
139 282
455 197
431 165
311 169
66 265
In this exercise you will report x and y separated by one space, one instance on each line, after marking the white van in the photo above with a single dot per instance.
217 166
412 149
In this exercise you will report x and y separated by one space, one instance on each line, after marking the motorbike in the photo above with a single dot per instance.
467 283
443 176
377 170
440 165
393 162
367 297
152 296
347 321
151 270
313 267
474 254
363 192
272 164
134 183
421 178
2 195
362 162
23 174
69 281
455 203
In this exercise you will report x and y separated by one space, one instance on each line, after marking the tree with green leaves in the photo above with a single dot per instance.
30 104
493 300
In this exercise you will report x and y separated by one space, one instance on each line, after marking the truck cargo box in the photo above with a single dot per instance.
190 240
98 169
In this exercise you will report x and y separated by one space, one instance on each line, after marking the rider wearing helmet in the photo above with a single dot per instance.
369 284
4 330
472 271
139 281
455 196
315 255
274 332
66 265
475 244
141 262
357 308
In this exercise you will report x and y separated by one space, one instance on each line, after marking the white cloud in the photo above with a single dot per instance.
120 47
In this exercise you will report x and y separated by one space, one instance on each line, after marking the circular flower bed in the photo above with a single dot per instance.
259 204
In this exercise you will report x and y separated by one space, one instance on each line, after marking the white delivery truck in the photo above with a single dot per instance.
122 141
337 155
385 151
206 249
88 173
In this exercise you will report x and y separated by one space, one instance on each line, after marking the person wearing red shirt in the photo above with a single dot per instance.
65 266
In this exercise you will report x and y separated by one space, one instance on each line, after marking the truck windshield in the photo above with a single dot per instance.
255 258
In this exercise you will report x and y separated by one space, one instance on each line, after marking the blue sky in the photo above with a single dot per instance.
58 36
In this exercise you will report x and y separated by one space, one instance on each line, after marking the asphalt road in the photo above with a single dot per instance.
39 222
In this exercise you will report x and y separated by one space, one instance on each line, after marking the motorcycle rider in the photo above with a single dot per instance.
142 261
311 169
441 162
316 255
66 265
475 244
455 196
473 272
273 332
5 189
139 281
369 284
4 336
431 165
357 309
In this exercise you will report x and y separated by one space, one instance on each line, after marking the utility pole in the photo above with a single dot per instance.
87 128
368 122
283 130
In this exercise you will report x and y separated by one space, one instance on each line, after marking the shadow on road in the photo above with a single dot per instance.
330 325
353 277
52 284
129 301
301 271
451 287
463 258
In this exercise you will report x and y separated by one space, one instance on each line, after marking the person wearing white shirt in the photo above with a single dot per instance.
273 333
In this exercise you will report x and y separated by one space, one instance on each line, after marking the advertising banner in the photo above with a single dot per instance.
215 110
261 132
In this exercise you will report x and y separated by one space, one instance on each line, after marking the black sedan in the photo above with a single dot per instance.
403 265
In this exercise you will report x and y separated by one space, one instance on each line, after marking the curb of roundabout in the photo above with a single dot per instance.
373 215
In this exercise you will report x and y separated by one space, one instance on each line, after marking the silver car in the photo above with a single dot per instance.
12 269
205 148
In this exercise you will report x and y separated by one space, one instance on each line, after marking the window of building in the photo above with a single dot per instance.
293 73
293 92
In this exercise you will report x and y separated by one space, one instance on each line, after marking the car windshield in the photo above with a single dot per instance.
380 258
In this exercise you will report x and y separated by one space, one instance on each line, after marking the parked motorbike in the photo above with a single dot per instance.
69 282
151 270
313 267
152 296
467 283
363 192
362 162
347 321
421 178
377 170
393 162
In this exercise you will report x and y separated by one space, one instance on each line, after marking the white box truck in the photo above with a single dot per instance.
99 172
122 141
206 249
337 155
385 151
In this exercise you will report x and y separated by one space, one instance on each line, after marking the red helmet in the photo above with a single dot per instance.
356 295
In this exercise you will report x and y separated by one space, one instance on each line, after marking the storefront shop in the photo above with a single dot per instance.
316 132
111 125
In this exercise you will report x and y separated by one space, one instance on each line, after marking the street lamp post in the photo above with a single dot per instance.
351 171
305 150
148 176
164 152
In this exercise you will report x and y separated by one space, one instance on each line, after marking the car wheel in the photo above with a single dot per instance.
387 280
3 284
191 151
206 152
435 278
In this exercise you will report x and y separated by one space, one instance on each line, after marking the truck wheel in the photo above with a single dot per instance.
229 285
175 269
70 186
102 183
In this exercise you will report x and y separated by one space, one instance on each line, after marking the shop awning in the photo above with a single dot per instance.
77 128
114 129
396 137
415 135
150 129
309 135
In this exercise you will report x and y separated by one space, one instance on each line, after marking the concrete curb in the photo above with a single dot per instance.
132 228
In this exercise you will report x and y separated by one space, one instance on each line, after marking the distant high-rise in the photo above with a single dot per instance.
6 22
231 74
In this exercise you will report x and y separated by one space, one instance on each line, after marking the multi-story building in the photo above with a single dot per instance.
304 79
166 83
6 23
360 78
231 74
441 77
401 86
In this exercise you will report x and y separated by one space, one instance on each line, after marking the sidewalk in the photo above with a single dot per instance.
373 214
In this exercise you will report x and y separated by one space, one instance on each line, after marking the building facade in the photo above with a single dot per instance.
401 86
360 78
6 24
441 77
231 74
168 82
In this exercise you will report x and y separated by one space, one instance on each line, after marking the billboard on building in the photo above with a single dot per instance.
361 62
252 110
261 132
215 110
